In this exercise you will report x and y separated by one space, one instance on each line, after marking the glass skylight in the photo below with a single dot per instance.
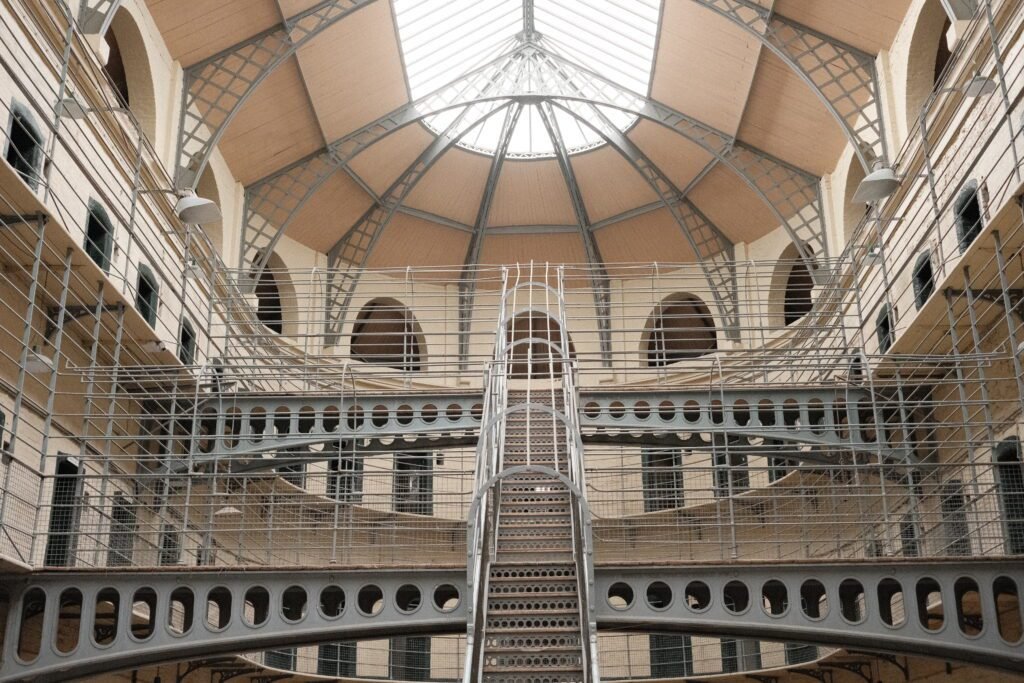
443 40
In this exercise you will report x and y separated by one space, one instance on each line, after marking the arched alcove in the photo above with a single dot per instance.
853 212
540 358
792 289
387 333
681 327
275 297
129 71
926 59
207 187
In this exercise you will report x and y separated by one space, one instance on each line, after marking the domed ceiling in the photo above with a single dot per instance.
443 132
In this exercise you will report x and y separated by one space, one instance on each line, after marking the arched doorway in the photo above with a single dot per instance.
680 328
535 340
387 333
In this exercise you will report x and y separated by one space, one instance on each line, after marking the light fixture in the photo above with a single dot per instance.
979 86
39 363
192 269
152 346
227 511
878 185
197 210
73 109
874 253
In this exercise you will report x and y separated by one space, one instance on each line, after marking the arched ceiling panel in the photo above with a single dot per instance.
609 184
382 163
869 25
551 248
454 187
704 64
410 241
354 71
197 29
329 213
531 193
730 204
654 236
275 128
677 157
787 120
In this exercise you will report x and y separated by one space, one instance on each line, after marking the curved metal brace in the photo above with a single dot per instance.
711 245
94 16
356 246
467 284
841 76
786 190
216 88
598 280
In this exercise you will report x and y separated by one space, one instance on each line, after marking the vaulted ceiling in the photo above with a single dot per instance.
355 72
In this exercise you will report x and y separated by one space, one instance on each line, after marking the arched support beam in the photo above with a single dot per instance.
94 16
354 249
229 633
841 76
874 606
598 273
216 88
793 195
467 285
713 249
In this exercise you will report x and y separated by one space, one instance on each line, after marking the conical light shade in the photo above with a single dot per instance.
197 210
878 185
978 86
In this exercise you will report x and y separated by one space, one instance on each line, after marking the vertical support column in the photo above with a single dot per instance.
108 430
1011 332
26 343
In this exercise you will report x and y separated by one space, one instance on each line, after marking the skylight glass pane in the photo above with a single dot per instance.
442 40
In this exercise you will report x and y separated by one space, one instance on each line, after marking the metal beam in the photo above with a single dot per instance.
791 193
467 284
598 272
354 249
841 76
94 16
713 249
216 88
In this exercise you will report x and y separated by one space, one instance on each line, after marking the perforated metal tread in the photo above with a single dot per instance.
532 631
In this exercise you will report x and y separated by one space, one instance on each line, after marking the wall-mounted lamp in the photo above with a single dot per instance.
191 208
38 363
877 185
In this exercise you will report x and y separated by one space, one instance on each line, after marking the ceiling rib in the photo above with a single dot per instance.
467 283
713 249
356 246
598 273
787 191
216 88
841 76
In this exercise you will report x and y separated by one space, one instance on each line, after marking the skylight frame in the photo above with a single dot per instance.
438 37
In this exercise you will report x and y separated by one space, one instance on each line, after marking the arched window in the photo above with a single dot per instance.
680 328
799 285
541 357
386 333
928 57
114 68
186 343
1010 484
924 279
99 236
942 53
967 213
208 188
24 146
128 69
147 295
884 329
268 302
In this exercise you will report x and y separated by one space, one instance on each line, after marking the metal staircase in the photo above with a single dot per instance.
532 631
530 569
